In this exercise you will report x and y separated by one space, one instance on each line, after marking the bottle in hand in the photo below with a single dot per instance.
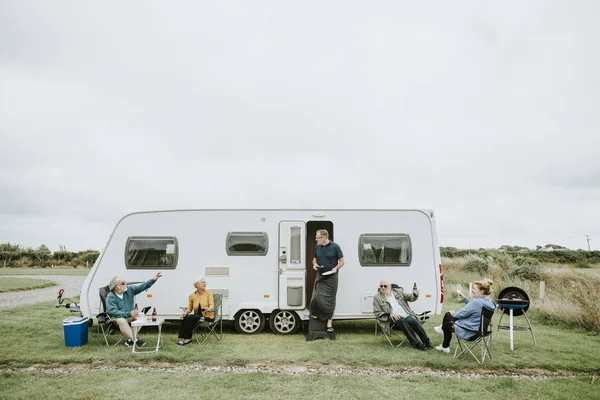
414 286
154 314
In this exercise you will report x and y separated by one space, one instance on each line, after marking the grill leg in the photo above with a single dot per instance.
530 327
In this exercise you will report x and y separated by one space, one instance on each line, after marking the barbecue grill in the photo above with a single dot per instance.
514 302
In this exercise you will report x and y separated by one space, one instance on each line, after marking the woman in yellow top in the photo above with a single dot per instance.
201 306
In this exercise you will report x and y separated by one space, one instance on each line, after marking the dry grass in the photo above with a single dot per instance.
571 297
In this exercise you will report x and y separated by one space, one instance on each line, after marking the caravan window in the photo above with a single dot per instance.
247 243
151 252
379 249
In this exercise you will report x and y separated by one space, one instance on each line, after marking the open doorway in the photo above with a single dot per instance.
311 229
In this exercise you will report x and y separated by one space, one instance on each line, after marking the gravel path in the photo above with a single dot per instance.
71 284
298 370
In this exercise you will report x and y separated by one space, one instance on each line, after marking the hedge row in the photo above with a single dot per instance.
556 256
14 256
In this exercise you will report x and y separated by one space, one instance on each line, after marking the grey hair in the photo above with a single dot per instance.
197 281
323 232
113 283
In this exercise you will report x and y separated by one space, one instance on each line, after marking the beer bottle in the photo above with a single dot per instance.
415 286
154 314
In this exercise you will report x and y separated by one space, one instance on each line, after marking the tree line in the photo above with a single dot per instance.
558 254
15 256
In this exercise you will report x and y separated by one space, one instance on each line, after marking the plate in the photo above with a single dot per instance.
328 273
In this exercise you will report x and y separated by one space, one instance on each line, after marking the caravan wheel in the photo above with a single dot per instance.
249 322
284 322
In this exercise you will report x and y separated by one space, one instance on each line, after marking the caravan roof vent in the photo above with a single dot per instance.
319 215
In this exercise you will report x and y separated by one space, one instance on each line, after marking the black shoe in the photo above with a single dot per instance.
428 346
182 343
129 343
140 343
420 346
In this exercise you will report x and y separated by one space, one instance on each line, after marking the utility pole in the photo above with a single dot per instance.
587 237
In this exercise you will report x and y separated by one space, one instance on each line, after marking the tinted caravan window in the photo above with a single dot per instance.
382 249
151 252
247 243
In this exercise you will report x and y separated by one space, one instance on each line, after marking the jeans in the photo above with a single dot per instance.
413 330
448 328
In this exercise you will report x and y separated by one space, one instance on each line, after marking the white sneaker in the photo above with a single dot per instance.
444 349
438 329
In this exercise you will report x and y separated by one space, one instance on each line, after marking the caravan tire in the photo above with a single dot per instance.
249 322
284 322
90 322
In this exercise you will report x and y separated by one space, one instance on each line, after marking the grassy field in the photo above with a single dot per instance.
158 384
33 336
16 284
35 362
45 271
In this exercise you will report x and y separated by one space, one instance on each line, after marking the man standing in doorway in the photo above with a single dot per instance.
328 260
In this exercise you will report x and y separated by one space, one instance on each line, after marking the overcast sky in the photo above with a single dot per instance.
486 112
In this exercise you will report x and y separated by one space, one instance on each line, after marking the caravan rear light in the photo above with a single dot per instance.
441 285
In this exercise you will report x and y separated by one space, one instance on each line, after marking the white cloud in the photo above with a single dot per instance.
487 113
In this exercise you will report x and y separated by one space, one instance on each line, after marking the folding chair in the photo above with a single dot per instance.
106 324
204 329
394 334
481 339
421 317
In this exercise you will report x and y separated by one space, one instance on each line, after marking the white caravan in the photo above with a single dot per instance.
261 261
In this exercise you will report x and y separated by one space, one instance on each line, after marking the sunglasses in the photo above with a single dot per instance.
383 286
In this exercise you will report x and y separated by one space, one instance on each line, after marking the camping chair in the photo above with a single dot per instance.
106 324
204 329
394 334
481 339
378 323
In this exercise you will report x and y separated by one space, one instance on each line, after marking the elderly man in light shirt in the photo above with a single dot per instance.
393 312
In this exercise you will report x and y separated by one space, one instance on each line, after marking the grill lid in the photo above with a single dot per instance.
513 298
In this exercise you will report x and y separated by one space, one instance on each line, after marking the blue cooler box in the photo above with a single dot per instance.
76 331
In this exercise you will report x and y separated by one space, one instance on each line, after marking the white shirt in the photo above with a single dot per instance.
396 307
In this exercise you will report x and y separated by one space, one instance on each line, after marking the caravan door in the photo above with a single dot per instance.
292 265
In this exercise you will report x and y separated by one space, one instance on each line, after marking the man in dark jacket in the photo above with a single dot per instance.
393 312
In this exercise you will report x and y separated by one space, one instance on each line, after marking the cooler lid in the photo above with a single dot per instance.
75 320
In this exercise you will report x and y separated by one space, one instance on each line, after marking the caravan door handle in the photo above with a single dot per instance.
283 258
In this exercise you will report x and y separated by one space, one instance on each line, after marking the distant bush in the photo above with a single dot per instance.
503 260
583 264
557 256
522 261
14 256
528 272
477 265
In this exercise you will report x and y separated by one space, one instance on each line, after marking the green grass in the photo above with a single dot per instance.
16 284
180 385
34 335
45 271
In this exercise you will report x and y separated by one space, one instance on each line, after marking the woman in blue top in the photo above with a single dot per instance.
467 321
